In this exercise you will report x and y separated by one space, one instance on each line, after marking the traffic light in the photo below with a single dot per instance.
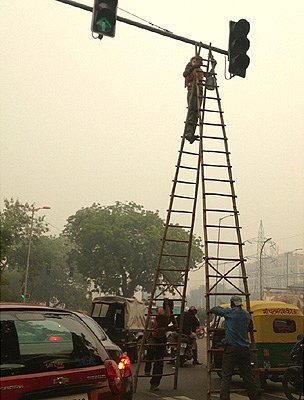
104 17
238 46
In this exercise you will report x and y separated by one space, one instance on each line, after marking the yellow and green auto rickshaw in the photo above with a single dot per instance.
276 328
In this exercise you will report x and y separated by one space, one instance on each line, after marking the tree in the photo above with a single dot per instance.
50 281
15 223
117 246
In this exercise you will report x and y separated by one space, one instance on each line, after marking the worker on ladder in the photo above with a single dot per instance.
192 70
158 342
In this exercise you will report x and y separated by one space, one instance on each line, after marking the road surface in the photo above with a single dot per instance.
192 384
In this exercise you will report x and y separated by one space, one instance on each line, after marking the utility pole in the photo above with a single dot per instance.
287 264
33 209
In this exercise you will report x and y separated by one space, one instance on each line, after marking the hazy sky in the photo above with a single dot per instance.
86 121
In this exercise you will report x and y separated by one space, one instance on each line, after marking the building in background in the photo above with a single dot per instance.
282 277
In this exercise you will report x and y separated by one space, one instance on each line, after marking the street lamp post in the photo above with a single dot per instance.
218 242
287 264
219 236
33 210
261 270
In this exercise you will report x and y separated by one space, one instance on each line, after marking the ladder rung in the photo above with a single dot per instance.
174 255
221 194
218 180
223 226
219 210
181 211
210 97
171 284
176 240
226 259
216 242
166 374
215 111
204 82
212 124
179 226
171 269
214 137
185 167
149 376
218 166
190 152
186 182
216 151
161 299
182 197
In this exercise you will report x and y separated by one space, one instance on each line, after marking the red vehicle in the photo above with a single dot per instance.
50 354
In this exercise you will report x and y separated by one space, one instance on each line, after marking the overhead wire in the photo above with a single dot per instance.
142 19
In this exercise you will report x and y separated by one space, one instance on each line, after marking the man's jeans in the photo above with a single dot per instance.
237 357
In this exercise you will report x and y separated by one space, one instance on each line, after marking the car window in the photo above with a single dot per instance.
95 327
43 341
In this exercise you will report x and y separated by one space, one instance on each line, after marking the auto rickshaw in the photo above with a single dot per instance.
123 319
276 328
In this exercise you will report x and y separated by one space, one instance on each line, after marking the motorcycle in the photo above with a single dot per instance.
293 376
186 348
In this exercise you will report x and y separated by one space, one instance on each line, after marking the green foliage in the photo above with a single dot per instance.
15 226
115 248
118 246
11 283
49 280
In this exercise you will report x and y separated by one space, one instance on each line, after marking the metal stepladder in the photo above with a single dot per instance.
209 165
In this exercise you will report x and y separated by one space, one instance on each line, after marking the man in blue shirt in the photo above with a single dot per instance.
236 347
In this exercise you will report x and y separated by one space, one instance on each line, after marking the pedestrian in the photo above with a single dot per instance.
158 342
190 325
236 348
193 70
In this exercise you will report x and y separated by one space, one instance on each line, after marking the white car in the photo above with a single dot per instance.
114 352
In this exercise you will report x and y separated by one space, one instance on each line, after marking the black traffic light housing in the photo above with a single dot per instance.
238 46
104 17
